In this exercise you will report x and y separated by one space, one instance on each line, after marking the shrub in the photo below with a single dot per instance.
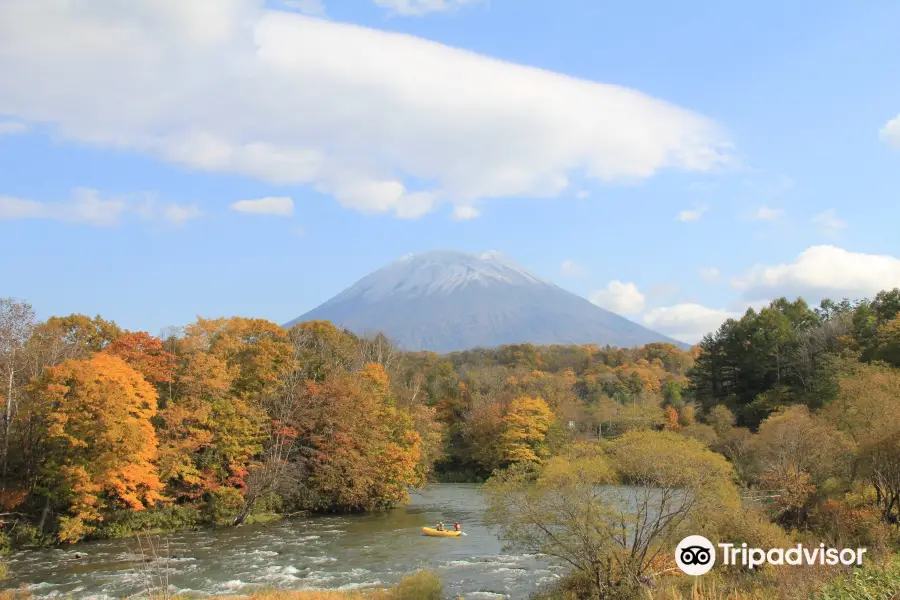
27 536
882 581
124 524
72 529
843 525
224 504
419 586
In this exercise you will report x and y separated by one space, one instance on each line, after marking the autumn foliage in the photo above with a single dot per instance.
100 447
230 416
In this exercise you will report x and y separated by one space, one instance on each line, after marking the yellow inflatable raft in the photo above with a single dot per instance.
435 533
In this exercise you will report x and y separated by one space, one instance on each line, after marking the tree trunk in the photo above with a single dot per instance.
44 512
245 512
8 421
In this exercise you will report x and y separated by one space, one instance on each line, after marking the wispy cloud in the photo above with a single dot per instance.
307 7
179 214
418 8
570 268
693 214
709 274
12 127
90 207
765 213
890 133
828 222
278 206
465 213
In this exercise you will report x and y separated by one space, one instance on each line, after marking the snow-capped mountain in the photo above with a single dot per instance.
445 301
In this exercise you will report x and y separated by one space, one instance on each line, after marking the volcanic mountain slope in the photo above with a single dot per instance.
445 301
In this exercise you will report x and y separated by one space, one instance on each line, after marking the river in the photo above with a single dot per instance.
325 552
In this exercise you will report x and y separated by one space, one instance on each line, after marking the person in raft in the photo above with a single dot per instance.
440 526
457 527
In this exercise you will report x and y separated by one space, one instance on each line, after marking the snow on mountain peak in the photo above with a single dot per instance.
439 272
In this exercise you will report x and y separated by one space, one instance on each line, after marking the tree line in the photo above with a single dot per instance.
785 430
231 420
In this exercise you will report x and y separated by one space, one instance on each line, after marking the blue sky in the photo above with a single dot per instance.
161 159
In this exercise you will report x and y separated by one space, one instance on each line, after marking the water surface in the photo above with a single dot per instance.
331 552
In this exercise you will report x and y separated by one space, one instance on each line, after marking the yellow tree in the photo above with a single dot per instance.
796 452
101 446
208 434
258 350
867 408
213 416
526 425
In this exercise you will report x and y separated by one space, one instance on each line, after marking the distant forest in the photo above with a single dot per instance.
105 431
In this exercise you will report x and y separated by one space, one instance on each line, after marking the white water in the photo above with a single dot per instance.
333 552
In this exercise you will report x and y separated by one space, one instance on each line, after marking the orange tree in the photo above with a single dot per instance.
100 446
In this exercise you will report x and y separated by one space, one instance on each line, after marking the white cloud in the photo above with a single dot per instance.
361 114
417 8
619 297
709 274
178 214
890 133
570 268
582 194
822 271
307 7
687 322
278 206
828 221
764 213
90 207
12 127
465 213
686 216
661 292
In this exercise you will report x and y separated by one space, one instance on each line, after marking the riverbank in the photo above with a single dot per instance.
126 524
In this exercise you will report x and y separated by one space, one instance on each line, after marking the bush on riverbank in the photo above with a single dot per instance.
123 524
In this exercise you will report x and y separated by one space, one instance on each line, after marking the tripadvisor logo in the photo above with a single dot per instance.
696 555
